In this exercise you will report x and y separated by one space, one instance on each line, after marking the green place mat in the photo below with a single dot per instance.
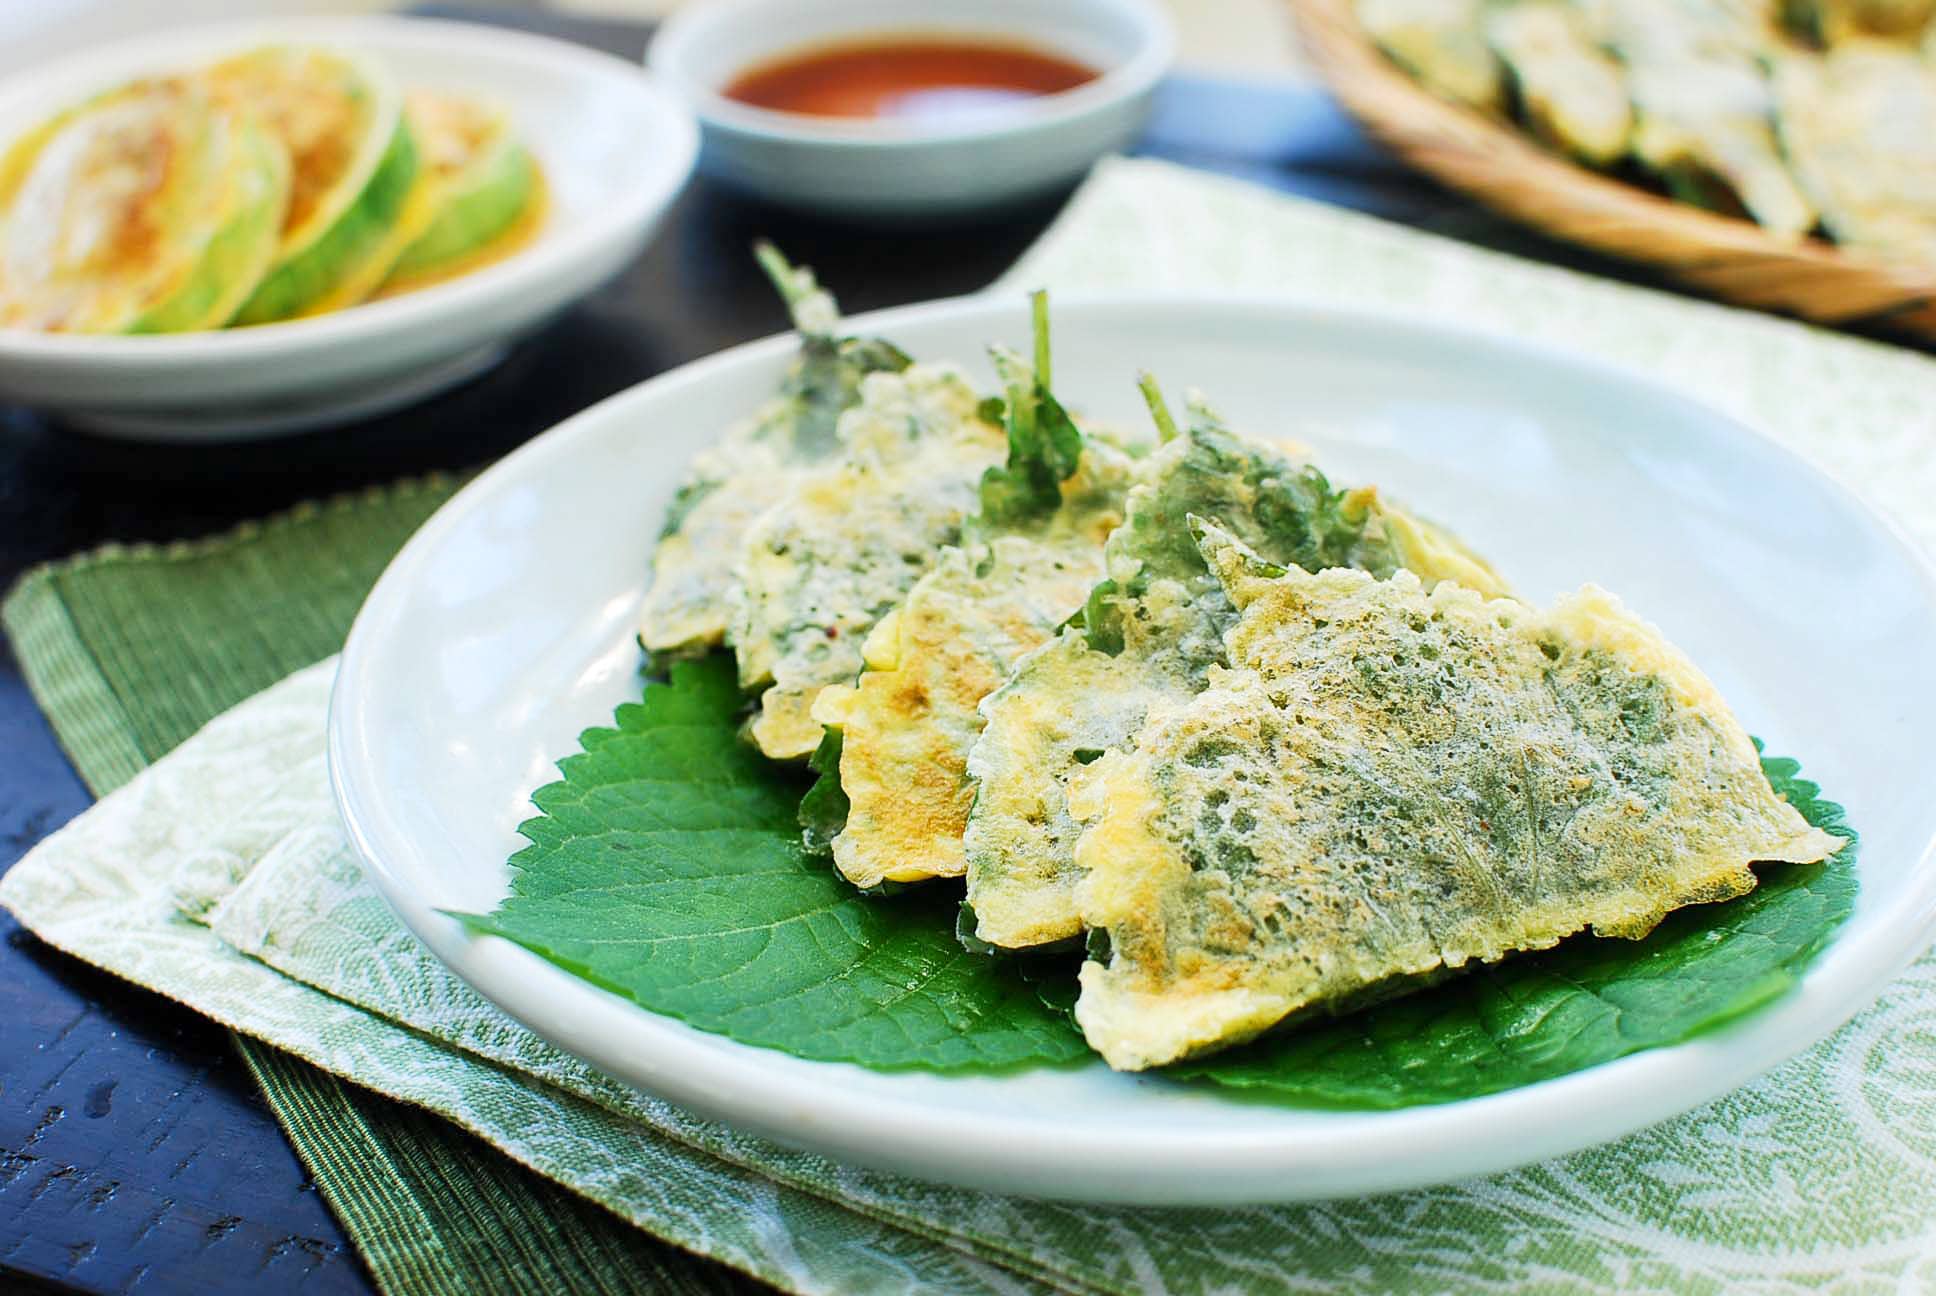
129 650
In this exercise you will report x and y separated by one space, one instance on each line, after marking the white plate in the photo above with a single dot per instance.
505 627
615 150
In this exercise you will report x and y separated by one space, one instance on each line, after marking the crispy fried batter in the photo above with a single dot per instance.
1389 782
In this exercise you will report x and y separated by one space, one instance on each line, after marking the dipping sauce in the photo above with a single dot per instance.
924 78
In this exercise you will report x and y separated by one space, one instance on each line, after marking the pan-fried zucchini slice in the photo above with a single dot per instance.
1831 22
1700 123
487 186
1859 124
1573 95
354 201
147 209
1703 110
1443 44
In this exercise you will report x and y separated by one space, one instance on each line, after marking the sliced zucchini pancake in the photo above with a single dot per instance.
1572 93
1443 43
1153 630
487 187
754 466
1390 782
1027 561
1859 127
150 208
354 200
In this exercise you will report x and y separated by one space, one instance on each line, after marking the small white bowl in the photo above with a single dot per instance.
615 150
886 169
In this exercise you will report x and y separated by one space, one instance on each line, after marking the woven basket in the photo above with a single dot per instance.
1505 169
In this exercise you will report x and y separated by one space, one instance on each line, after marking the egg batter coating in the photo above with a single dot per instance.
1031 557
818 570
754 466
1153 629
1388 783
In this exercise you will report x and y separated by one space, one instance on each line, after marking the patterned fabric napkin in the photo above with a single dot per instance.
219 877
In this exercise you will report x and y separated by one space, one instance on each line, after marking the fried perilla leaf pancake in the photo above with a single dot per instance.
819 569
1153 630
1389 783
728 486
1031 556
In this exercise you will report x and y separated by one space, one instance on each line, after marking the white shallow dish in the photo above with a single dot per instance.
615 150
904 169
505 627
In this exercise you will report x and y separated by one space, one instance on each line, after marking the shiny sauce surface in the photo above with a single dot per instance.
911 77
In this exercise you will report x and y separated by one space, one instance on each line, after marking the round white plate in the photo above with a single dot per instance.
615 150
505 627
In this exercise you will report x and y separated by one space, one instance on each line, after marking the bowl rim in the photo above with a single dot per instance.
667 118
670 47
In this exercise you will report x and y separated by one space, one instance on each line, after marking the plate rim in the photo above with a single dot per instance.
1365 1151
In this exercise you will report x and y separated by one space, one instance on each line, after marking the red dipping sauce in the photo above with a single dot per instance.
912 77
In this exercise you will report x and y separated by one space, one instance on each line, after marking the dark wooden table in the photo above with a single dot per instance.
135 1154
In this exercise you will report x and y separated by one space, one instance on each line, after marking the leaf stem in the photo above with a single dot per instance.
1158 407
811 306
1039 316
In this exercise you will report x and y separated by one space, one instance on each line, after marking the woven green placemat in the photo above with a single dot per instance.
129 650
